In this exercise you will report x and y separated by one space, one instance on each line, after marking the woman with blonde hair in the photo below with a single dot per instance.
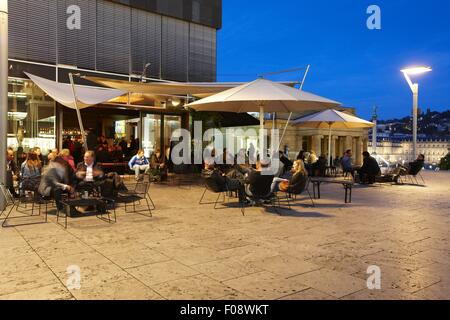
298 174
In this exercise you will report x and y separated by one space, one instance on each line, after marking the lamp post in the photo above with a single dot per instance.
3 92
415 90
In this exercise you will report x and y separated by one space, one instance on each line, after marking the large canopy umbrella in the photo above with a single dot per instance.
75 96
332 119
261 96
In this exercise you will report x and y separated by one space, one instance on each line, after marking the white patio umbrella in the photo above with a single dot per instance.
332 119
261 96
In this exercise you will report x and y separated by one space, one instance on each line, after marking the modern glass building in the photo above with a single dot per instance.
162 40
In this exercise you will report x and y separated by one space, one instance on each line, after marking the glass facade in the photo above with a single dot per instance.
151 135
157 131
31 117
171 123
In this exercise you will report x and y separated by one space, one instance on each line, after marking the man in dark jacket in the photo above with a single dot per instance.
259 181
369 170
88 175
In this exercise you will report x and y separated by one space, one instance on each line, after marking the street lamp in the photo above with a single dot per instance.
3 92
415 90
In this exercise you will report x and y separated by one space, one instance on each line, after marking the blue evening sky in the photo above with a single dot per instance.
349 63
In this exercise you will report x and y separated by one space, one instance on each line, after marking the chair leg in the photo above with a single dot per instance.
421 177
217 200
203 195
310 197
151 201
4 224
289 203
148 206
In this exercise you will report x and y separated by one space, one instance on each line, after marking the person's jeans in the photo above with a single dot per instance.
57 194
137 169
275 184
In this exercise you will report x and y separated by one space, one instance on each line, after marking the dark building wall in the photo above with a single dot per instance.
206 12
118 38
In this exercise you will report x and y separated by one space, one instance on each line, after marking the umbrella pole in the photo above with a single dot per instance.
329 146
290 115
261 131
284 131
80 121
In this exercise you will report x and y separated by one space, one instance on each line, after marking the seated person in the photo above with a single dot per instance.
55 181
412 168
103 155
299 174
88 175
259 181
139 163
158 165
117 154
30 173
347 163
223 182
369 170
287 164
319 168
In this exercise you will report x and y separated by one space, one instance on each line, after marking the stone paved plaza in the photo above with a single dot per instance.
188 251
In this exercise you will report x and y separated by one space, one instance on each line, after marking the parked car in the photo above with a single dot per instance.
432 166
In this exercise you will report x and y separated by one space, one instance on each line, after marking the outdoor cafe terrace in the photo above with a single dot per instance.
192 251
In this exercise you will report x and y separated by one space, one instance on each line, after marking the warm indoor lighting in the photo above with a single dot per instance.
416 70
176 102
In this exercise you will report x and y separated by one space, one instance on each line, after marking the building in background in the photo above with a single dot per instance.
169 40
402 151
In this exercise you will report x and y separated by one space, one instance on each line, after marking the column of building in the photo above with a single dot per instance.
316 144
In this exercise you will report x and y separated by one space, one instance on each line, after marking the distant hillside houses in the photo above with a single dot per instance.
394 138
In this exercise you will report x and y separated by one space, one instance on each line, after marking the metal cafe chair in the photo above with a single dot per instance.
12 203
140 193
212 186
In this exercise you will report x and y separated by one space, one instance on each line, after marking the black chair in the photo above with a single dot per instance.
411 175
140 193
260 189
220 187
294 191
12 203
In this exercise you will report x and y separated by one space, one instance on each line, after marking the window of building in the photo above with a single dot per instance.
151 134
31 117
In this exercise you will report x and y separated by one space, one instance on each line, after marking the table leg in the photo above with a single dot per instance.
318 190
314 190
